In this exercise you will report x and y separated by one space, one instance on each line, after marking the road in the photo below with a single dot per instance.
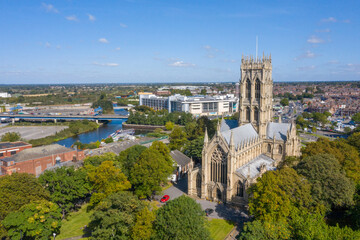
221 211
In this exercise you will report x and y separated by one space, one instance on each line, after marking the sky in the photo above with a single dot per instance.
165 41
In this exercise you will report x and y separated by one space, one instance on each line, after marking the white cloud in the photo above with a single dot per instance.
207 47
346 21
307 54
106 64
333 62
306 68
91 17
314 39
71 18
123 25
181 64
117 49
47 45
103 40
49 8
329 19
58 47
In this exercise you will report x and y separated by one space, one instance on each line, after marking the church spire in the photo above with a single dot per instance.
232 144
218 128
206 137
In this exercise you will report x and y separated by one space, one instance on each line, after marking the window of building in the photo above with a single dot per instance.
1 154
13 152
256 114
248 114
210 107
280 149
248 89
257 89
269 148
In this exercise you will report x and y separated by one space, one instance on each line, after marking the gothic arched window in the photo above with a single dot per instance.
248 89
269 148
248 114
218 167
240 189
257 89
280 149
256 114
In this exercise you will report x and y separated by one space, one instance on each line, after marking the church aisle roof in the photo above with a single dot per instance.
240 134
227 124
252 168
279 129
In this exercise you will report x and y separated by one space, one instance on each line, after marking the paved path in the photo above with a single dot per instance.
221 211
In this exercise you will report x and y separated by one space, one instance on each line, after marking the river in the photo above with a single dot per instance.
101 133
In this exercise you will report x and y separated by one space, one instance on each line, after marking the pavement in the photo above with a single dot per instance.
33 132
221 211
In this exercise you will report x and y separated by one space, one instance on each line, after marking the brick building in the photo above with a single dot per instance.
8 149
37 160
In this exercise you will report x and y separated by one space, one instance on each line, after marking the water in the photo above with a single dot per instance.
98 134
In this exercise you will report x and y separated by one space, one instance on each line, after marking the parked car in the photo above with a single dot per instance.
209 211
165 198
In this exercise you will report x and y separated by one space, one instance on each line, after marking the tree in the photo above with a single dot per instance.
289 193
181 218
169 125
115 216
11 137
330 186
356 117
164 150
36 220
194 149
106 179
203 91
67 187
96 160
284 102
354 140
109 140
177 138
259 230
143 228
129 157
149 172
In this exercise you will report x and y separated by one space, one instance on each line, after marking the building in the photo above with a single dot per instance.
7 149
36 160
182 162
241 151
5 95
196 105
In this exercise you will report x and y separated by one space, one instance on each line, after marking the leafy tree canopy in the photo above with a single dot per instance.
11 137
67 187
128 158
181 218
96 160
178 139
36 220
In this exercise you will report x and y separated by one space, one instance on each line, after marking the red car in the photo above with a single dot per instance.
165 198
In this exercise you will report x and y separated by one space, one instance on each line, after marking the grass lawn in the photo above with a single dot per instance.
74 225
219 228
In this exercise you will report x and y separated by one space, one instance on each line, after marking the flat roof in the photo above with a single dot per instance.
6 145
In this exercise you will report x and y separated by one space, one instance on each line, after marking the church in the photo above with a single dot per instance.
241 151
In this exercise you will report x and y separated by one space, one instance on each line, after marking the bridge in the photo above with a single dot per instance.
104 117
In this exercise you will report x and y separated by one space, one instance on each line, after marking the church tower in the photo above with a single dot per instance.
256 93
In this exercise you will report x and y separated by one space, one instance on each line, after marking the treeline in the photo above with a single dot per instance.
114 186
307 120
291 96
159 118
75 128
316 196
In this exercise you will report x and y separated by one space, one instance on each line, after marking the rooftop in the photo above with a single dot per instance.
240 134
180 158
6 145
38 152
279 130
253 168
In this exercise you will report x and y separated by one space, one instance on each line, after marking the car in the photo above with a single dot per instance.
165 198
209 211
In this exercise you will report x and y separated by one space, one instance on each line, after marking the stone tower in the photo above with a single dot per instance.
256 93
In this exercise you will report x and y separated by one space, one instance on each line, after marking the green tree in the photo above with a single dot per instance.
96 160
194 149
356 117
11 137
203 91
67 187
149 172
259 230
164 150
36 220
106 179
143 228
177 139
129 157
284 102
354 140
109 140
115 216
169 125
330 186
181 218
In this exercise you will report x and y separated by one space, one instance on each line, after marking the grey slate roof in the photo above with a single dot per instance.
38 152
180 158
6 145
279 129
227 124
240 134
254 166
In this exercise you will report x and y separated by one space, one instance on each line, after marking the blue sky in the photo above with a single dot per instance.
175 41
